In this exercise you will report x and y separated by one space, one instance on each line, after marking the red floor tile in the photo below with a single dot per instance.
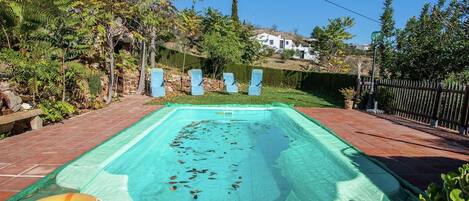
4 195
18 183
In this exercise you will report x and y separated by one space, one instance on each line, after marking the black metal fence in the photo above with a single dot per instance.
437 104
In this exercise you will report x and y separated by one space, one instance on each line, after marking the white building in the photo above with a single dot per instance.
279 44
363 47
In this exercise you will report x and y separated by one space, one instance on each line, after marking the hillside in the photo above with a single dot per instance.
297 65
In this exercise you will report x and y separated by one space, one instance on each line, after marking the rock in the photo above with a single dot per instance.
12 101
170 89
4 86
26 106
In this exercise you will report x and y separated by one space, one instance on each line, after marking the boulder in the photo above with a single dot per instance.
12 100
4 86
26 106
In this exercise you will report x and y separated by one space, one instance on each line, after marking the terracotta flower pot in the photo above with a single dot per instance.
348 104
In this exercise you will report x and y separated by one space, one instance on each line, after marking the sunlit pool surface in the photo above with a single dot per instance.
262 153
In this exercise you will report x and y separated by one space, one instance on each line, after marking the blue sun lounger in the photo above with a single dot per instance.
197 82
230 83
255 85
157 82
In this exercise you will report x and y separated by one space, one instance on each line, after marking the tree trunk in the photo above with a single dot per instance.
141 83
183 66
111 69
6 35
63 75
153 48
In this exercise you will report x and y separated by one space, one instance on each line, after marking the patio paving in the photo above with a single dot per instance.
26 158
417 156
414 155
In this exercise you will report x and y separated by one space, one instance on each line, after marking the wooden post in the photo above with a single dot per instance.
436 105
358 92
464 108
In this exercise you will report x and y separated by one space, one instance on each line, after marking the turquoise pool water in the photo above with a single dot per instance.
229 153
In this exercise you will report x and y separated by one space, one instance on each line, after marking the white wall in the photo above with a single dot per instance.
274 43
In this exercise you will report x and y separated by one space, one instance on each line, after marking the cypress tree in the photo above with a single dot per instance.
234 11
388 31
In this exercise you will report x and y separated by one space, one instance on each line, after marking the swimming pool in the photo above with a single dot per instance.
258 153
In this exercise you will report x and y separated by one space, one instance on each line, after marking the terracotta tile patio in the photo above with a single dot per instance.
414 155
26 158
418 157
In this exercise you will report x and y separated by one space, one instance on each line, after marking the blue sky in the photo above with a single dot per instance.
305 14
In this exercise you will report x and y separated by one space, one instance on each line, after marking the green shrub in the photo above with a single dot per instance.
56 111
457 78
94 82
455 187
348 93
287 54
384 96
268 52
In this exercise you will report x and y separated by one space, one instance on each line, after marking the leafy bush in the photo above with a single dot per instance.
268 51
457 78
287 54
348 93
384 96
56 111
455 187
94 82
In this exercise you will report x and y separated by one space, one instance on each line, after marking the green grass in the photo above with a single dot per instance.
269 95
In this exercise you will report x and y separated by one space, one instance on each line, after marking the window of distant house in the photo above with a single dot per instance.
271 42
286 43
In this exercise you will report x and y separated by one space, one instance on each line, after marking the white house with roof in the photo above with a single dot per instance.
279 44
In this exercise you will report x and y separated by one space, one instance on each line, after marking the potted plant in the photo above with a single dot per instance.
349 94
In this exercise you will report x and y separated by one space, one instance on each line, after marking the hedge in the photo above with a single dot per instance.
272 77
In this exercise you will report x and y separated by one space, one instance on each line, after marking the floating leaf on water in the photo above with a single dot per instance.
240 177
173 177
194 192
193 177
187 186
172 182
221 157
235 186
193 170
212 173
181 162
196 196
203 171
184 182
173 188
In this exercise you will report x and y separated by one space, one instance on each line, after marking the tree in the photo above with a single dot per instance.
234 11
224 41
107 20
435 44
189 27
220 42
8 19
331 38
157 17
388 33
